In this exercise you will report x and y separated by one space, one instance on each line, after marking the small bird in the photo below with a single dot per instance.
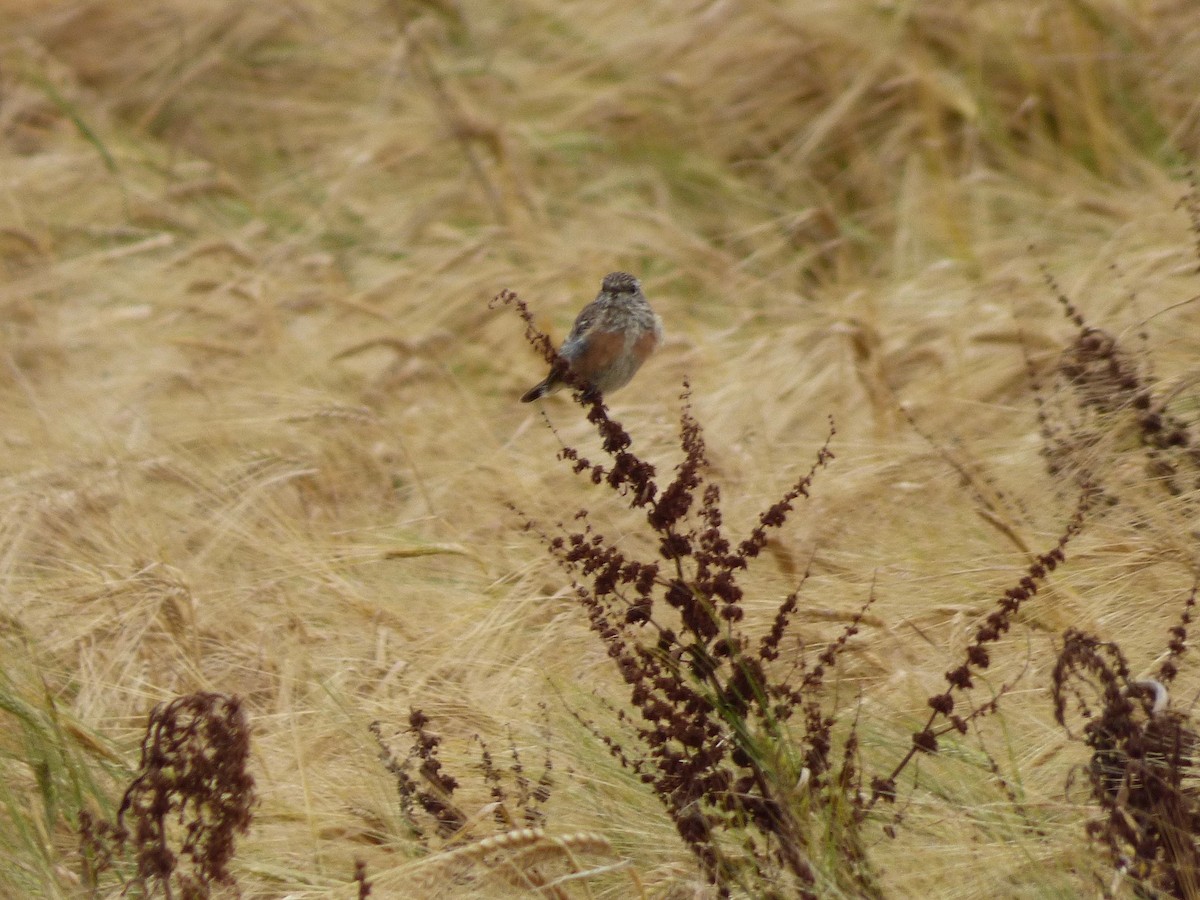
611 338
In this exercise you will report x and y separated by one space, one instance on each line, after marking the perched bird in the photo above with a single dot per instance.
611 338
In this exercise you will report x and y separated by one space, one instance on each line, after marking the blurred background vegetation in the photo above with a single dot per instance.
260 432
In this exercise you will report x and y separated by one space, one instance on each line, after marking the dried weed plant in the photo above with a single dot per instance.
362 883
1142 771
182 813
712 701
1114 404
445 819
762 803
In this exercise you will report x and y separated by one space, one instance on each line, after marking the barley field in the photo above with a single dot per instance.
261 443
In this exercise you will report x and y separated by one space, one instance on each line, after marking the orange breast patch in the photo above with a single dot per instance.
644 346
602 348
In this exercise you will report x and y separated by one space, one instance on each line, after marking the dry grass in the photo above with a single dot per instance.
260 430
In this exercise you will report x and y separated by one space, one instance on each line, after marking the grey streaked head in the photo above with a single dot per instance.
620 283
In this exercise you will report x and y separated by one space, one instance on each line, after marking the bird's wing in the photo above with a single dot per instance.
584 321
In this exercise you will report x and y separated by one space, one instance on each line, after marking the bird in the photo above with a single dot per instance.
611 338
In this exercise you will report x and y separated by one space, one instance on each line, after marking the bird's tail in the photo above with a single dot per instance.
540 389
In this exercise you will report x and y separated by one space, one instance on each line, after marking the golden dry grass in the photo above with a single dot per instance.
260 429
